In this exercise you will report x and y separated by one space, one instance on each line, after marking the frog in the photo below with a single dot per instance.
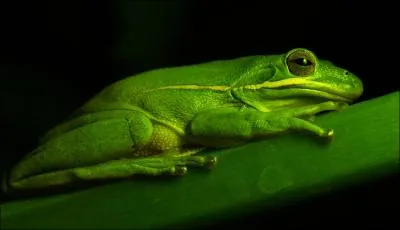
159 122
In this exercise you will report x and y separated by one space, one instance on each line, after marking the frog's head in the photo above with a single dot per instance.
299 76
296 78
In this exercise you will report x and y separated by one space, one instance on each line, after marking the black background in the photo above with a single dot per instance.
57 54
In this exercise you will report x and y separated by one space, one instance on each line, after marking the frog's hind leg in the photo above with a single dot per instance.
174 165
152 166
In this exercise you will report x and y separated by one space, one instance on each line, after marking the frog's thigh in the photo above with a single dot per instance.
88 145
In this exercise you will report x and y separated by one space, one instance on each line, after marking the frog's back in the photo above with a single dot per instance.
129 92
221 72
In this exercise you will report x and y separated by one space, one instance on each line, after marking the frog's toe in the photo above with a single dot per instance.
179 170
310 118
329 134
210 161
342 105
202 161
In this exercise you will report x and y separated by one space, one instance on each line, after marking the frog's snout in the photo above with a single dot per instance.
354 86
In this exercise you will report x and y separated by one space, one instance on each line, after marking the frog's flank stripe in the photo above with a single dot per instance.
267 84
196 87
281 83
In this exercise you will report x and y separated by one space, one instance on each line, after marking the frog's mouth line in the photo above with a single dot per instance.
305 87
332 95
291 92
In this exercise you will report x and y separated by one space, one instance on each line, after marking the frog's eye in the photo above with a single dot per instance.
301 63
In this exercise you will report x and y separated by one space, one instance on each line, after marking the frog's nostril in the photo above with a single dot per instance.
346 72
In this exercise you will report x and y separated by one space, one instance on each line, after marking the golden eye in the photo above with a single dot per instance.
301 62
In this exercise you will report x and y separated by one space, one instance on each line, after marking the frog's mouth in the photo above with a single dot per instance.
330 95
294 98
307 95
340 91
346 92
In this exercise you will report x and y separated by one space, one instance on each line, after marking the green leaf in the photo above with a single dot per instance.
261 175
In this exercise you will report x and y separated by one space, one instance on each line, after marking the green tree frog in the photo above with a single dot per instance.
155 123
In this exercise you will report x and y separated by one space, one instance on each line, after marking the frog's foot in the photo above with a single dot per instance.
341 106
304 125
174 165
333 105
197 161
310 118
117 169
152 166
329 134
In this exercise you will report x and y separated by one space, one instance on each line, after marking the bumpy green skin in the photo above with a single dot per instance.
153 123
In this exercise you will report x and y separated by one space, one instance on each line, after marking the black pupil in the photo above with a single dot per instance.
302 61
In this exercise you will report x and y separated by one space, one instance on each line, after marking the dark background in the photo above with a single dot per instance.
57 54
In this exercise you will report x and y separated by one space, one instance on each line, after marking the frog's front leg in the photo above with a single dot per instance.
232 126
